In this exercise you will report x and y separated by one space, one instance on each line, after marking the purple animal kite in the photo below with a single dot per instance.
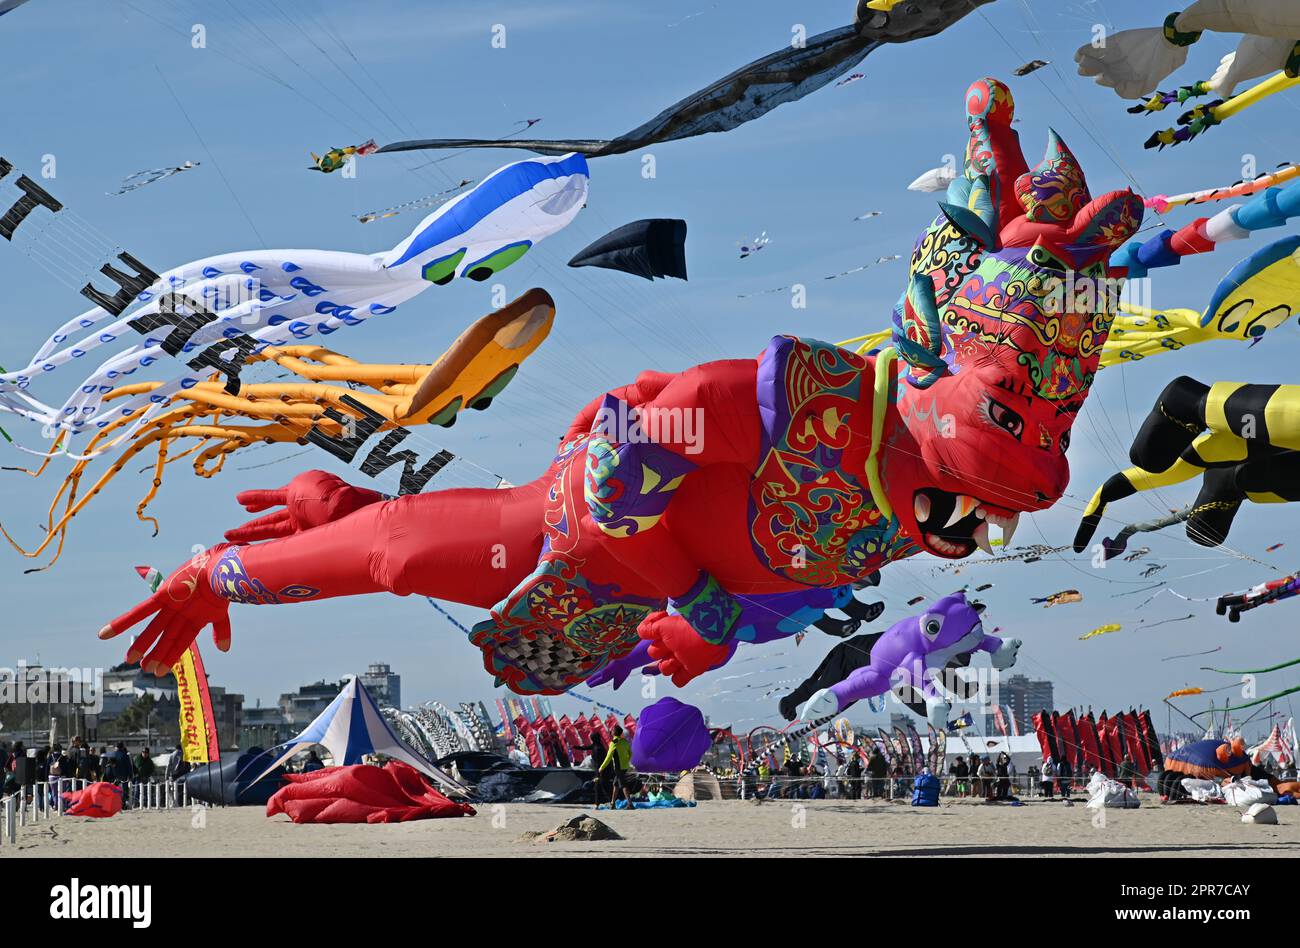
910 656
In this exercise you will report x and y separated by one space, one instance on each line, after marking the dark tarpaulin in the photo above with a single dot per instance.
648 248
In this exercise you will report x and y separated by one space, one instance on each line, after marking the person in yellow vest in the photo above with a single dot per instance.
620 756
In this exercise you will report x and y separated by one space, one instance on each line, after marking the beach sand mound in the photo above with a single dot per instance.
579 829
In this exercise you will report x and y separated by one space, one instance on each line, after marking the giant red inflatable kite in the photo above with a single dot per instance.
725 502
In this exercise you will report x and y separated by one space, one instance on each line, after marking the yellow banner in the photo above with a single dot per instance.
198 726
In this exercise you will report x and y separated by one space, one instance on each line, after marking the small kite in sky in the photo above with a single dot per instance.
867 216
336 158
1059 598
1101 630
1032 66
429 200
134 182
750 247
1217 648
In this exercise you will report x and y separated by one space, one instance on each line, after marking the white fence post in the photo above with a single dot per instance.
9 829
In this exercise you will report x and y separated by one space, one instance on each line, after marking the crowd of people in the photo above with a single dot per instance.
81 761
973 776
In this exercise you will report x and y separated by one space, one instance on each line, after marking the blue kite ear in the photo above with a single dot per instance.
970 223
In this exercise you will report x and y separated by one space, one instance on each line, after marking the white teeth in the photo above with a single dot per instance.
981 512
981 538
1009 529
921 507
962 505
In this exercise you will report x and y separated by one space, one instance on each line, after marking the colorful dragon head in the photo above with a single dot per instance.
1000 332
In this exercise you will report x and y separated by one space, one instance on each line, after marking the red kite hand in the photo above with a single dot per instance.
309 500
681 653
183 605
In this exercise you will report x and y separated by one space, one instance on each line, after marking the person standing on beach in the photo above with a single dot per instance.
597 751
1048 777
876 770
178 766
792 772
144 766
1004 776
988 781
121 765
620 757
960 775
854 774
1064 777
1127 772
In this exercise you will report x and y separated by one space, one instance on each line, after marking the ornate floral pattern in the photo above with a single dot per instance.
811 521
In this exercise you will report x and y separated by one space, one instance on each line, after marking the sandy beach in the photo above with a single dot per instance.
715 828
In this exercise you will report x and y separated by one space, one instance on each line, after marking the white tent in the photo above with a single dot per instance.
353 727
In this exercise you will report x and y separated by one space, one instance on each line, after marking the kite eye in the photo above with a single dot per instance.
931 625
1005 418
1064 440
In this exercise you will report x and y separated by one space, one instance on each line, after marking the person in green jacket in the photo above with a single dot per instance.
144 766
619 756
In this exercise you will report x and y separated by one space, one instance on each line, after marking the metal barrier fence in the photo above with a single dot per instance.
780 786
44 801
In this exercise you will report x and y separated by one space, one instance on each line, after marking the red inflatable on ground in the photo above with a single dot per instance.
394 793
99 800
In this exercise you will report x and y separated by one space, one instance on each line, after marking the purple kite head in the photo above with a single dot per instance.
670 736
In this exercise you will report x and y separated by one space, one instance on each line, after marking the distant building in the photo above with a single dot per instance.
901 721
263 727
1023 697
384 686
227 710
302 706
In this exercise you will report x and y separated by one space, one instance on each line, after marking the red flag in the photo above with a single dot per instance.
1133 741
1088 741
1113 740
530 741
1042 720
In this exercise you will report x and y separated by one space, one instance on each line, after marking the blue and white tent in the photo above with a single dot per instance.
352 727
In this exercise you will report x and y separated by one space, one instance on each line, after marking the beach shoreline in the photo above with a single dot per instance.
730 828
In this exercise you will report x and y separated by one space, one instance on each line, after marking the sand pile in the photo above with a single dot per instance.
578 829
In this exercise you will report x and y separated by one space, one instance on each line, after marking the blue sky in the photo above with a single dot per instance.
97 85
